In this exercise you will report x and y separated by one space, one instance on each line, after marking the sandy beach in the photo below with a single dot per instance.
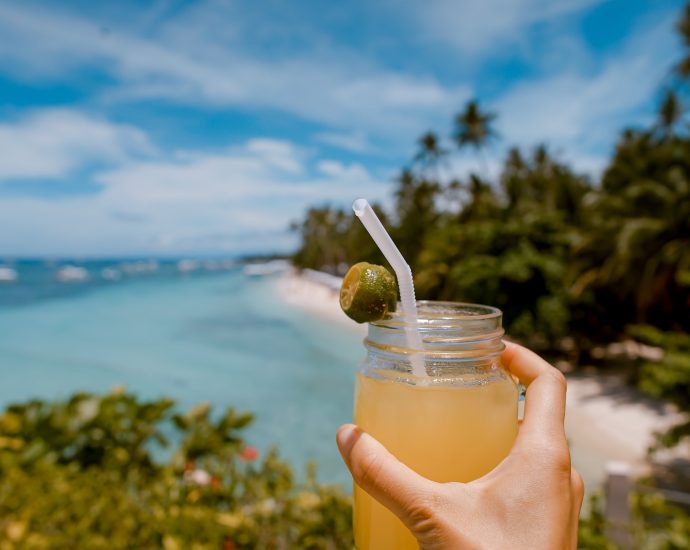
606 420
317 293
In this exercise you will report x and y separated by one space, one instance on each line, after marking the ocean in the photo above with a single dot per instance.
210 334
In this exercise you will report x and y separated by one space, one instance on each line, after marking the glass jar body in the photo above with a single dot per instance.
456 424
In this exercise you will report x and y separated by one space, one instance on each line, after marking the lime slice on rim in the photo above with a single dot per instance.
368 293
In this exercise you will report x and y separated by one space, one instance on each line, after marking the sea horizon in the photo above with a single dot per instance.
249 256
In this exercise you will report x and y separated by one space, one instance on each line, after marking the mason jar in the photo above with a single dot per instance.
454 422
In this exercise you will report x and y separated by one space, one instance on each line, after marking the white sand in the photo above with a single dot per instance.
303 291
605 419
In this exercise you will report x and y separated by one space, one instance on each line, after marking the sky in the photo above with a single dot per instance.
170 127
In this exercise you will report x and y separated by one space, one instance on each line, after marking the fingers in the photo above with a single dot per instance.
380 474
545 396
577 487
577 491
523 363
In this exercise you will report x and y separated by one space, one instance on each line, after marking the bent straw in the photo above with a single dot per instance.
402 270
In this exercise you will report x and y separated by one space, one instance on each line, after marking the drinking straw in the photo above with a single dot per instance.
402 270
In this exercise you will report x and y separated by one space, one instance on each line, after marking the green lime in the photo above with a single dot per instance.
368 292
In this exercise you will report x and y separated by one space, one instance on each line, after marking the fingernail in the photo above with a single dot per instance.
346 437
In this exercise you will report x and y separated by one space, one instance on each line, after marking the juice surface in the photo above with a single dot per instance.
450 433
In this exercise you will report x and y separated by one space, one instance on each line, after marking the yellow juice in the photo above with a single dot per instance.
446 433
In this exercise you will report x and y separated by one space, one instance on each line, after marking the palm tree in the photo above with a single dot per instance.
416 213
670 113
322 243
637 248
430 149
483 204
473 128
540 182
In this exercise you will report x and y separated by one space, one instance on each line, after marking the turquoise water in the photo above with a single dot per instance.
219 337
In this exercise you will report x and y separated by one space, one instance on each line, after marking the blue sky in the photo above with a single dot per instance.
170 127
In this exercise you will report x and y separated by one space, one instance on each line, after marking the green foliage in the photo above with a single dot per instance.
669 377
109 432
473 126
508 247
592 528
634 251
517 265
656 525
417 216
83 474
204 436
332 240
430 151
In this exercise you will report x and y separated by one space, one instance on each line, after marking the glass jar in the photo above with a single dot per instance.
456 423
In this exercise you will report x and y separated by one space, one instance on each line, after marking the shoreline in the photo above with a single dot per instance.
606 420
316 293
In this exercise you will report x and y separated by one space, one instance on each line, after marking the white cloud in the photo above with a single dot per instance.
241 198
259 168
570 106
334 88
280 154
476 26
353 172
355 142
579 113
53 142
239 176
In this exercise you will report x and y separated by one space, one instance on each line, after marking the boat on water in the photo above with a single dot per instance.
274 267
111 274
72 274
139 267
8 275
187 266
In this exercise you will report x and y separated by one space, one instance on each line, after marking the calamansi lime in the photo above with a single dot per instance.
368 292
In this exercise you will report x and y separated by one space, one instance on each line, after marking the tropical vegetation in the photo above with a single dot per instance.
99 471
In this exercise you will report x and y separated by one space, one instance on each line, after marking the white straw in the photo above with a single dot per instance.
409 305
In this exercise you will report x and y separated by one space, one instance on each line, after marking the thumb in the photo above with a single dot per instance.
384 477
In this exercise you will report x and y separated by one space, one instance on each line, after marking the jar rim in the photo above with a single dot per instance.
437 314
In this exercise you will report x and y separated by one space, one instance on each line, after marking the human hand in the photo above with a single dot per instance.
531 500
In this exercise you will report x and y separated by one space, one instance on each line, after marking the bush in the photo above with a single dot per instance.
656 525
83 473
669 377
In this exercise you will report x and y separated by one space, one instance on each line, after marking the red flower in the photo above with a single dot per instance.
249 453
215 483
228 544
